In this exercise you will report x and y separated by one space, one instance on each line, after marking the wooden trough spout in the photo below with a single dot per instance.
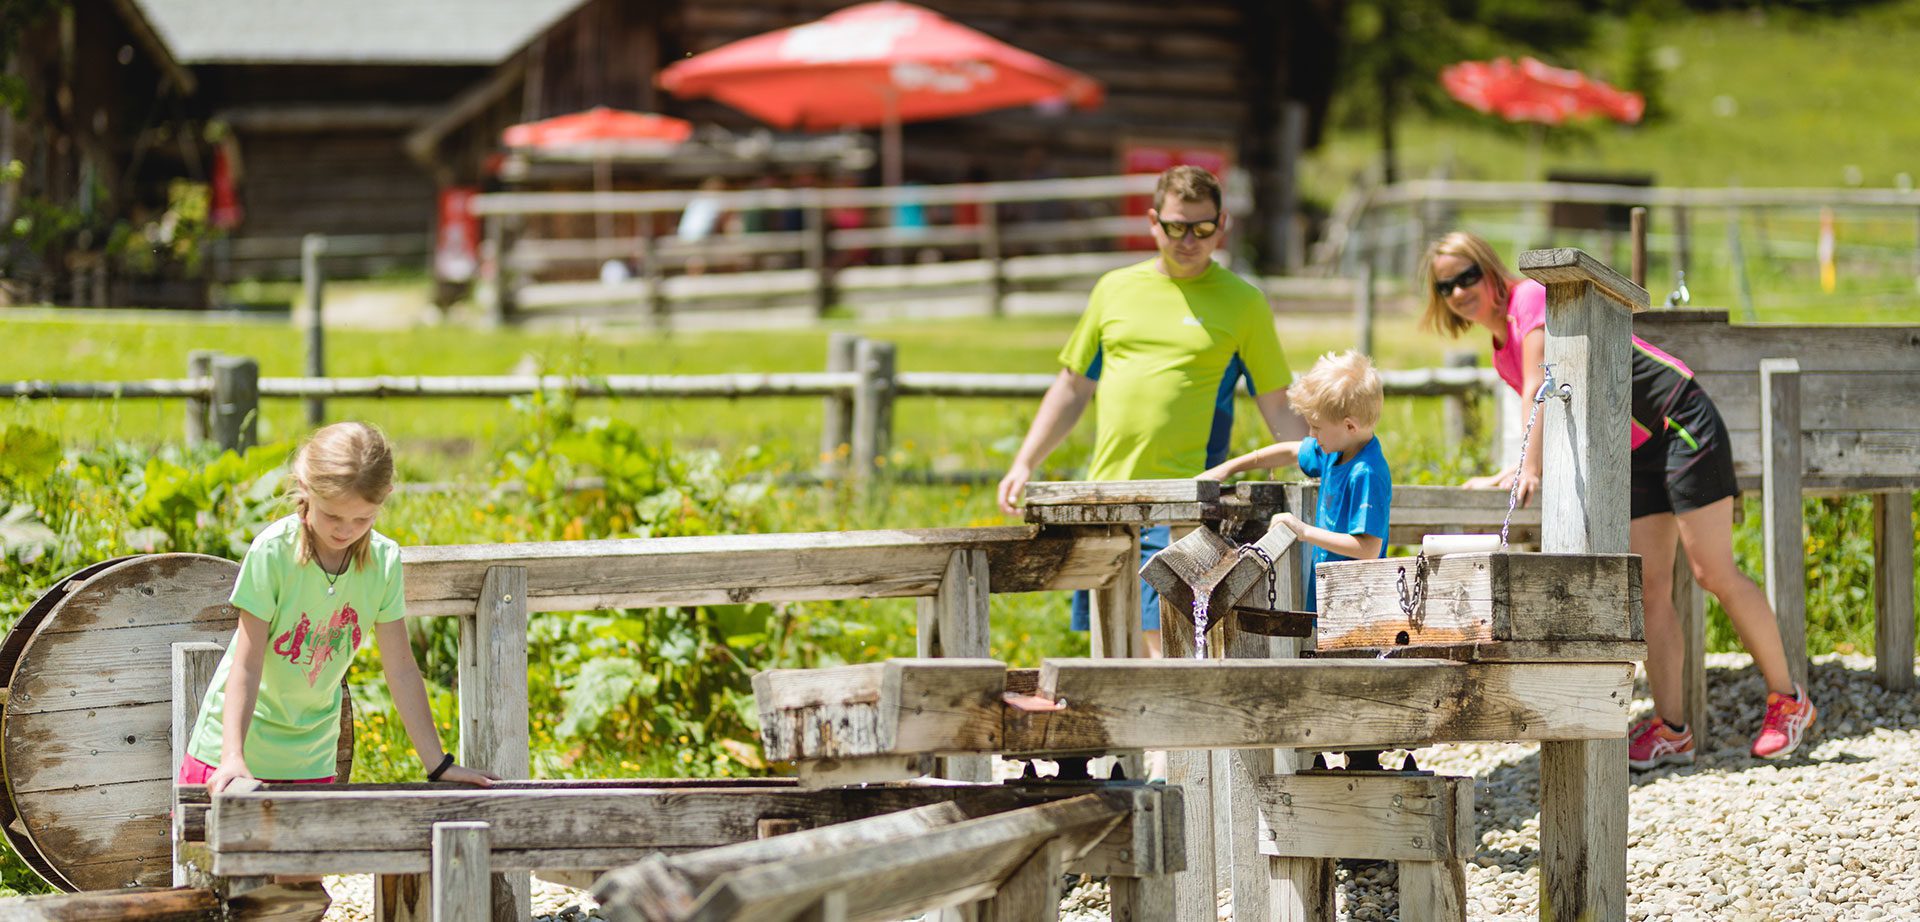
1203 565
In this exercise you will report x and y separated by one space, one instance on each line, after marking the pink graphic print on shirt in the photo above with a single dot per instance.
343 629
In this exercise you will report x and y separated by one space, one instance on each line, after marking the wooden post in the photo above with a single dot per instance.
1288 247
193 668
954 623
313 281
496 274
199 368
405 898
1030 893
1690 607
236 402
1238 863
819 257
1433 891
872 407
836 435
493 704
1893 590
1737 260
831 907
1363 307
1196 888
1683 241
1637 222
1583 783
1780 469
990 250
1459 419
1298 889
460 862
655 276
1114 612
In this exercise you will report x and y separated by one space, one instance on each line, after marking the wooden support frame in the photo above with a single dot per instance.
462 889
955 622
1783 515
1491 599
493 704
1690 607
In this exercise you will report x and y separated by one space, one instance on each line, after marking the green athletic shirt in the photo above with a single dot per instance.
311 638
1167 353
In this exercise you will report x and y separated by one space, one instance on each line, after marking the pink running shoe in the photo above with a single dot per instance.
1651 745
1785 725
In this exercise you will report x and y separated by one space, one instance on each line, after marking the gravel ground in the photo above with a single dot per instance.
1832 833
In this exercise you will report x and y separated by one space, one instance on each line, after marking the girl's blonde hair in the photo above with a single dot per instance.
1338 386
344 459
1438 318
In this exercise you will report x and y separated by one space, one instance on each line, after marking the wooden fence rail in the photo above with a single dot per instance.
860 388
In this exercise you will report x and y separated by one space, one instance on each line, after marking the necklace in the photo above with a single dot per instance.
331 576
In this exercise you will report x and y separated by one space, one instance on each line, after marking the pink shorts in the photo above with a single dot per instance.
194 771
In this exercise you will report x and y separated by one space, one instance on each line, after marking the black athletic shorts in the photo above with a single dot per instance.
1688 462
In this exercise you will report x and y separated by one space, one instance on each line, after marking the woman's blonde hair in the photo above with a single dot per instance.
344 459
1338 386
1438 318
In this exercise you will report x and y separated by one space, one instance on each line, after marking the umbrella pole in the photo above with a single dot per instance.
890 148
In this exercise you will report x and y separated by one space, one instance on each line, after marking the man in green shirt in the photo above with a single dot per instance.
1165 342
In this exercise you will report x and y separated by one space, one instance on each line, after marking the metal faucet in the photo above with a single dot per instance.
1548 388
1680 295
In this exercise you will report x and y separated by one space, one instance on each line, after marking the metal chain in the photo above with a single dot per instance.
1273 574
1413 604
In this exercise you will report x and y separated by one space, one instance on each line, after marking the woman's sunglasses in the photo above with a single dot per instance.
1468 277
1176 230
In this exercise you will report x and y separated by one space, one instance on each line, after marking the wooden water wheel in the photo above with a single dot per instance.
86 725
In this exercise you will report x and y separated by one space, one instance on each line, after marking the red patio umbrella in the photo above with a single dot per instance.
599 126
875 65
1530 91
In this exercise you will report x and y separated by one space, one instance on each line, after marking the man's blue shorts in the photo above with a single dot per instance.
1153 540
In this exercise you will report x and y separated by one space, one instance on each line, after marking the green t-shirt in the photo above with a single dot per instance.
1167 353
311 638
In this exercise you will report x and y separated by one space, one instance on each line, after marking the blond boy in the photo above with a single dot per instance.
1340 400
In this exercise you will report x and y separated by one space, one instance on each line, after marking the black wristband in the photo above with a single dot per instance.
446 762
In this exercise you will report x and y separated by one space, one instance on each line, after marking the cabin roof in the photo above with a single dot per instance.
450 32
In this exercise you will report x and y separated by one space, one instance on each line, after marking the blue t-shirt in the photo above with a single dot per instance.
1356 494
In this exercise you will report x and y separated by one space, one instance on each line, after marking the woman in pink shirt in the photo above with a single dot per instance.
1683 491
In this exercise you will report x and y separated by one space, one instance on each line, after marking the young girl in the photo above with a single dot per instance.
305 586
1683 489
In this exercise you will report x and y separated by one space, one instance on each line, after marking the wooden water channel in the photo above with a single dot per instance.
696 850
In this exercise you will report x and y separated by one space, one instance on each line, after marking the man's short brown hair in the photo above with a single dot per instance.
1187 183
1337 387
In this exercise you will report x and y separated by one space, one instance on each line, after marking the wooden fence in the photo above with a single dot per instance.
861 386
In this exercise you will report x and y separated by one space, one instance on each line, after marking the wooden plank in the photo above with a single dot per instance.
1570 266
1031 893
1300 890
961 863
1196 884
1893 619
1358 814
461 887
1784 521
955 623
1118 514
402 898
1120 492
1690 607
277 902
1480 598
1738 348
1512 651
129 905
129 667
1583 829
1321 704
493 705
737 569
193 668
1114 611
900 706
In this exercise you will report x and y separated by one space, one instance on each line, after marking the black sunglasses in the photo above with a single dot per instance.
1176 230
1468 277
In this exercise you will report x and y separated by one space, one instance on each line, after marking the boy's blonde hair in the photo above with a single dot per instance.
1438 318
1338 386
344 459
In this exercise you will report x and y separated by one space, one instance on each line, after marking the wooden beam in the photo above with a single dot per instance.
959 863
1893 590
1785 519
1481 598
193 668
423 143
903 707
1114 611
1120 492
735 569
1433 891
1032 892
461 887
955 623
1359 814
1572 266
493 705
138 904
1690 606
1118 514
